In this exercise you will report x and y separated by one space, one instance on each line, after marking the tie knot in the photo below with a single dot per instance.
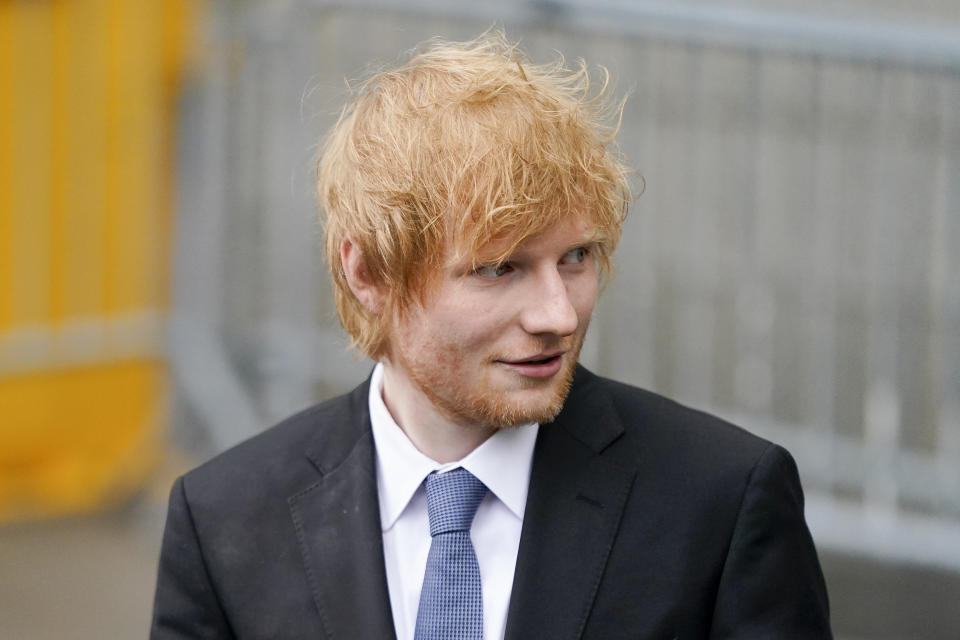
452 500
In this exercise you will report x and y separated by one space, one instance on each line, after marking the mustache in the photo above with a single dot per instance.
545 344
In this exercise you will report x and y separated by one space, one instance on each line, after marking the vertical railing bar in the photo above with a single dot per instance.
205 377
638 288
291 271
693 351
945 282
820 373
754 304
882 412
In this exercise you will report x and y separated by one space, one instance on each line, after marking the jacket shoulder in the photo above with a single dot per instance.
655 427
286 456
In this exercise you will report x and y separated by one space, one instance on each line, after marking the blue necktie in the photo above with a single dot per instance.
451 602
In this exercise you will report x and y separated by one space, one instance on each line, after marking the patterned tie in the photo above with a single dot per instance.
451 603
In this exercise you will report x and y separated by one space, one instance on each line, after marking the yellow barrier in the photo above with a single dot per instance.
86 112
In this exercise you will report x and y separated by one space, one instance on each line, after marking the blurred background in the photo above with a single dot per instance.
793 264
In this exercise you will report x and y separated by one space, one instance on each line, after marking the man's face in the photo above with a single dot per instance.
497 346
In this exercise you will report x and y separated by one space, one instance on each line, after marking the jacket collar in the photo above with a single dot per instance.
573 512
337 521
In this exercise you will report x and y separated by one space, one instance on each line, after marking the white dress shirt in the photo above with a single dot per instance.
502 463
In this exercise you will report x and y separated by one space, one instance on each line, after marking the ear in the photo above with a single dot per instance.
368 293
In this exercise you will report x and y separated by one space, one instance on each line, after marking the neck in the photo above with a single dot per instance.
436 435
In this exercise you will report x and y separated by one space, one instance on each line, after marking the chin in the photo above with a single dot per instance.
522 406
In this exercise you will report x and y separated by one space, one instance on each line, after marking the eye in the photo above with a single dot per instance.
493 270
575 256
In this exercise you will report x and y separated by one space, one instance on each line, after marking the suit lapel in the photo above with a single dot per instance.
338 525
574 506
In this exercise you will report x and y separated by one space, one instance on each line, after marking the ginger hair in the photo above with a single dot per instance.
463 145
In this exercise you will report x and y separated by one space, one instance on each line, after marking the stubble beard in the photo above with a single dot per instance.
485 407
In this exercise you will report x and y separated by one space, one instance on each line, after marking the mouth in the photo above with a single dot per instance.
541 365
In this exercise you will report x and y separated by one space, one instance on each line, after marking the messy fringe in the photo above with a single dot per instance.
464 147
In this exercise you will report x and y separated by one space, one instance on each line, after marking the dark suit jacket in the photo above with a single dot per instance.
645 519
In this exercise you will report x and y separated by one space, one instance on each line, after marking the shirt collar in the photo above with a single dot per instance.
502 462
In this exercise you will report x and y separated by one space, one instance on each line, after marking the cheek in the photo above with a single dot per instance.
476 329
583 296
459 328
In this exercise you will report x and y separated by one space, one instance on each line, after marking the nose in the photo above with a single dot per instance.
548 308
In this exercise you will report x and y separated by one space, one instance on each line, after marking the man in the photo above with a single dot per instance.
472 204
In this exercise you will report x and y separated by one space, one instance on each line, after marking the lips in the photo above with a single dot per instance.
541 365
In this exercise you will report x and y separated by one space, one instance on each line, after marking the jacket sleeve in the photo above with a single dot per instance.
185 605
772 585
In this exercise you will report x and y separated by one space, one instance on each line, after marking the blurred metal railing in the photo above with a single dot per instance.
792 265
